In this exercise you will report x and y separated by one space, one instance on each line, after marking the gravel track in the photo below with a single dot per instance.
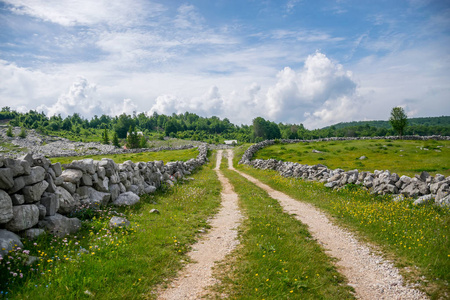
217 243
367 272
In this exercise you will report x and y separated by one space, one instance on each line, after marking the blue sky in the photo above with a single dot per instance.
311 62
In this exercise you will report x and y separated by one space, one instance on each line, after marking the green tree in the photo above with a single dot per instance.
398 120
23 133
9 132
142 142
115 139
132 138
105 137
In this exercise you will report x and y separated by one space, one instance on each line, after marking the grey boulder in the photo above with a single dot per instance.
60 225
8 241
24 217
127 199
6 207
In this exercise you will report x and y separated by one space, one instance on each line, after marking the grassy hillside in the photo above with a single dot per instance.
429 121
402 157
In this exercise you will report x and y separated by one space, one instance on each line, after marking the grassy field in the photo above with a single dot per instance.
277 257
166 156
400 156
126 263
417 238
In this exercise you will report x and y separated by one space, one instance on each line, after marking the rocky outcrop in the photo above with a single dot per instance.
426 188
55 146
34 193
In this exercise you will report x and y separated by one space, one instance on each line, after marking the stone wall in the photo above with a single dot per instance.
36 195
427 188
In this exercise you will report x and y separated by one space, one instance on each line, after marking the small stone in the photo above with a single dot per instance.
154 211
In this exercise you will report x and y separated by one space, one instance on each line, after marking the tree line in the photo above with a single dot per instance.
135 130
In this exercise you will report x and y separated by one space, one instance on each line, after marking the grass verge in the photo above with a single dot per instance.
277 258
417 238
403 157
124 263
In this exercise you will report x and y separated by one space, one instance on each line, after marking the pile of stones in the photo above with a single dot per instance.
423 187
38 196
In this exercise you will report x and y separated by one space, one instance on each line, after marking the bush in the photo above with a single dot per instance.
23 133
9 132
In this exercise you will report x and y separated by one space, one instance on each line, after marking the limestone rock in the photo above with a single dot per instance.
57 169
42 161
24 217
51 184
424 200
17 199
51 204
149 189
84 165
118 222
98 198
42 211
69 186
8 241
127 199
33 233
72 175
66 202
6 179
60 225
19 183
6 207
114 189
37 174
34 192
86 179
14 166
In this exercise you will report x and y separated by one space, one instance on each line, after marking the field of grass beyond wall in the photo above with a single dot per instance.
398 156
166 156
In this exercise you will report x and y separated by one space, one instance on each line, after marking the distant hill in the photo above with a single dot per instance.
429 121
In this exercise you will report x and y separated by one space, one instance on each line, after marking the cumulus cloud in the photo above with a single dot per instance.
126 107
322 91
81 98
208 104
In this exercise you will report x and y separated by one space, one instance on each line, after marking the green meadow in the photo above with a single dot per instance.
403 157
417 239
165 155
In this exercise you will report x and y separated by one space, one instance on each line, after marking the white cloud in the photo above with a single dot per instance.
208 104
126 107
81 98
86 12
321 89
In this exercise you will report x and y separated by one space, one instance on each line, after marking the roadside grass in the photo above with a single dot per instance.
416 238
403 157
124 263
277 257
165 155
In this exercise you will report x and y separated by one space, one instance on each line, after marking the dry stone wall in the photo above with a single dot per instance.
423 187
38 196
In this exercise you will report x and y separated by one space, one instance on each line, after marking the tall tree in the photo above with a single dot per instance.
398 120
115 139
132 138
105 137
